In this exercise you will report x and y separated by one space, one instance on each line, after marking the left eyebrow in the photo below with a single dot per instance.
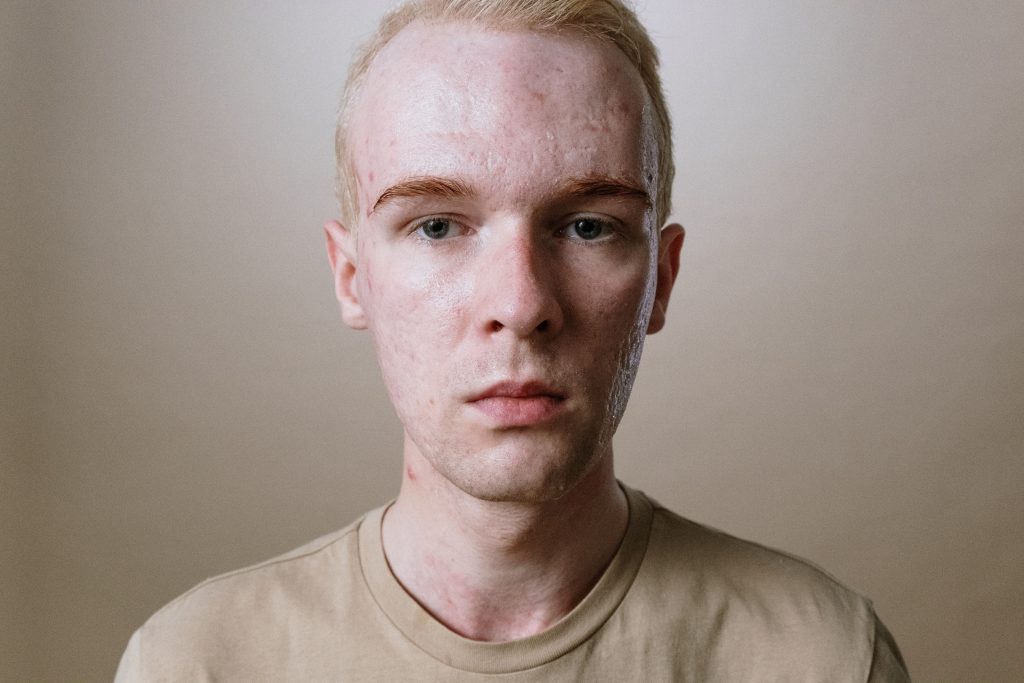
604 186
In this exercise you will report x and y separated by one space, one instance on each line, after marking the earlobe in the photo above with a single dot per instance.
341 254
669 248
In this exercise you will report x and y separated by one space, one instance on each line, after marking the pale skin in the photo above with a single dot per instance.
507 264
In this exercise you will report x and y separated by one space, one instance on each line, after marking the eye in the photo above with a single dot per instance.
588 229
435 228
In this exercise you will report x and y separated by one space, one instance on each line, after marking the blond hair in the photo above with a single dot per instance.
609 20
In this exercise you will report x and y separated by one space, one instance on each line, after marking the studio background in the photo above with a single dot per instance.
842 374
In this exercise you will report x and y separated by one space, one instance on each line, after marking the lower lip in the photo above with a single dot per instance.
507 411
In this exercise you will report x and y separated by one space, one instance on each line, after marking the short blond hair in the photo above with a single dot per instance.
612 21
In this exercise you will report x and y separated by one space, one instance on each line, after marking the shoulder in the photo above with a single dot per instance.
301 569
745 604
766 579
247 609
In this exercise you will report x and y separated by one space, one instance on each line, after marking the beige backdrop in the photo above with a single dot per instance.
842 374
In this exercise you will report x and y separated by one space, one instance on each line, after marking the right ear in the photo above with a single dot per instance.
341 252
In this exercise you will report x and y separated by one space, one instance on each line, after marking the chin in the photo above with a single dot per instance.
521 475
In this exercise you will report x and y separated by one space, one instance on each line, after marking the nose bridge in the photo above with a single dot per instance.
521 295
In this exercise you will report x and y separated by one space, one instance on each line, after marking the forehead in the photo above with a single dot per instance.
509 111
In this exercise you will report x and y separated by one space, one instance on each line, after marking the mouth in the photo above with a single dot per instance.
519 404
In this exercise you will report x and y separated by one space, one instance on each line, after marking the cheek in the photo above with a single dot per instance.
613 325
615 297
411 313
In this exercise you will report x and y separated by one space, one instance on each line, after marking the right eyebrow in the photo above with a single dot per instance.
423 186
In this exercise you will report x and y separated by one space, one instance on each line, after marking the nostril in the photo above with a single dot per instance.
496 326
543 327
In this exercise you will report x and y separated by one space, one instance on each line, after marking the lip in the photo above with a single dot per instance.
529 389
519 404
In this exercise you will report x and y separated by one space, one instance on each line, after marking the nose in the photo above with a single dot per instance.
518 291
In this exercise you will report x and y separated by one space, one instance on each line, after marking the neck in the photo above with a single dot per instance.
501 570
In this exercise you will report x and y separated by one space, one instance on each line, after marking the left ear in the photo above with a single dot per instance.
671 243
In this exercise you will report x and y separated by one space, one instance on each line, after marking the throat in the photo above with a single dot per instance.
491 572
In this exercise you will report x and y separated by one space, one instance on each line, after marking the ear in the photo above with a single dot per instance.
668 267
341 253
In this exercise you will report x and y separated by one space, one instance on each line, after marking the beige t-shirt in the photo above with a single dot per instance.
679 602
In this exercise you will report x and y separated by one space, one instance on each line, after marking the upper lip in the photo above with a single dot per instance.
511 389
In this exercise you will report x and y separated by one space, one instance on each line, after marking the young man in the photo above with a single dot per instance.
505 169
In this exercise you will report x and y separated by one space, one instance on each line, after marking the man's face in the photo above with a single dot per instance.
506 259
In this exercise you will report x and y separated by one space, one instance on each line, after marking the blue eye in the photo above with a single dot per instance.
435 228
588 228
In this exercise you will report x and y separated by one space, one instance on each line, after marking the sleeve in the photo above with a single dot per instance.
128 671
887 665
